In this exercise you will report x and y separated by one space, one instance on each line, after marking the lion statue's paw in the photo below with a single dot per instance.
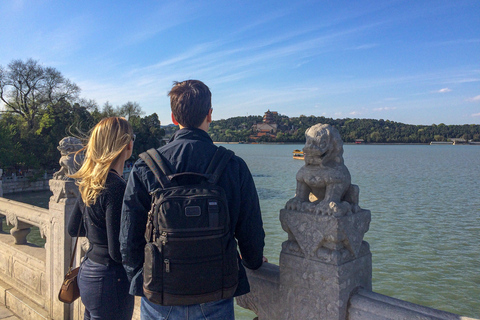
333 208
294 204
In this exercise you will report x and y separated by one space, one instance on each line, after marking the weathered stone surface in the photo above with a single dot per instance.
24 307
264 298
324 181
65 190
367 305
306 289
309 233
69 162
317 290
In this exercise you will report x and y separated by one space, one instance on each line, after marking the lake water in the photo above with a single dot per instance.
425 204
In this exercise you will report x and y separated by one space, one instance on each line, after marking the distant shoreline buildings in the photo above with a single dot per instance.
267 127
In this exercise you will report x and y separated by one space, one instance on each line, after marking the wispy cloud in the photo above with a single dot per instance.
457 42
160 18
444 90
13 5
366 46
476 115
384 109
474 99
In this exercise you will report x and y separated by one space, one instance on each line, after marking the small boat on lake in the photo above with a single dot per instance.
298 154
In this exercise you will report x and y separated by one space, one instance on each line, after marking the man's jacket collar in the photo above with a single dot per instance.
191 134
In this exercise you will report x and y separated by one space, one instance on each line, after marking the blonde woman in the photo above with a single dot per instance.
102 279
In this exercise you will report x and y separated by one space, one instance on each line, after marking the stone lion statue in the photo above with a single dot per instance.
323 183
69 163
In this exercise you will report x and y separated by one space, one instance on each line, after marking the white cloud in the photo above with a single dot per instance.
384 108
444 90
476 115
474 99
366 46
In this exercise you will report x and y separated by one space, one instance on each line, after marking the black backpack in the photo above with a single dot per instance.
191 254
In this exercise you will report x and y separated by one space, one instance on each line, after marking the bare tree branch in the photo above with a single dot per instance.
27 88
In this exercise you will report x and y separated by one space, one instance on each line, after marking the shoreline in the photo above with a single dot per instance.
353 143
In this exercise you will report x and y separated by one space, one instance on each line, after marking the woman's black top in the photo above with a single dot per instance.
101 222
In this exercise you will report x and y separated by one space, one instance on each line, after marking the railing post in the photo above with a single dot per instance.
59 243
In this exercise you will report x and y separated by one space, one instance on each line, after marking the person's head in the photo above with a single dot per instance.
191 102
108 140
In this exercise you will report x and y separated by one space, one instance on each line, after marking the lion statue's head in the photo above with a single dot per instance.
324 145
70 161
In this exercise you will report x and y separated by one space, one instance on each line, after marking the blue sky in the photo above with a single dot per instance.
416 62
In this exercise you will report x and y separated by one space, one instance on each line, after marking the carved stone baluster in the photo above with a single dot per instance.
20 232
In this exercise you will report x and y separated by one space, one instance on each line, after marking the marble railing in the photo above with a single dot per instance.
30 276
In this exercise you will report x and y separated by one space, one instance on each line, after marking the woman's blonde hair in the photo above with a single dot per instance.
107 141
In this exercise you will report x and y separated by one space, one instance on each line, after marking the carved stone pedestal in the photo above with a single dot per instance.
321 264
318 290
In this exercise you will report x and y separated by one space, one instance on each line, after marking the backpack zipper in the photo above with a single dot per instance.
163 238
167 265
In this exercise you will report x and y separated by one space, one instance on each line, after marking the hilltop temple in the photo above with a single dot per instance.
267 127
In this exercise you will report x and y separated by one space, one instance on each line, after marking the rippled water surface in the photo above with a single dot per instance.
425 204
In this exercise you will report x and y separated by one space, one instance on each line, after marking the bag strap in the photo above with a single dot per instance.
157 163
154 161
218 164
76 241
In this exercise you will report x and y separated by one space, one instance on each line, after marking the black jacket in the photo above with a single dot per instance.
102 222
191 150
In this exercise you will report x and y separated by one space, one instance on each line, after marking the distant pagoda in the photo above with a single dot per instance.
267 127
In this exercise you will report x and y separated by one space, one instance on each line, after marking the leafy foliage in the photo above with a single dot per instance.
370 130
27 89
42 107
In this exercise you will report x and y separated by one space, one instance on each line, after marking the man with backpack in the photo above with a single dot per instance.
186 207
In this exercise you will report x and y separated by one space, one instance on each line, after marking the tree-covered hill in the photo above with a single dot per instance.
370 130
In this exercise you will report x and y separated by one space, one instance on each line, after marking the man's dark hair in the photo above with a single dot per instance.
190 101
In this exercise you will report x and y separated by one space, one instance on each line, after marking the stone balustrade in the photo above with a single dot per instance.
30 276
23 266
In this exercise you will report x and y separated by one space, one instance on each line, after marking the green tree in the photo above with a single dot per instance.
9 148
130 109
149 133
27 88
109 111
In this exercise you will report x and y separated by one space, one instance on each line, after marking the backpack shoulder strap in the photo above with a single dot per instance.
156 163
218 164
